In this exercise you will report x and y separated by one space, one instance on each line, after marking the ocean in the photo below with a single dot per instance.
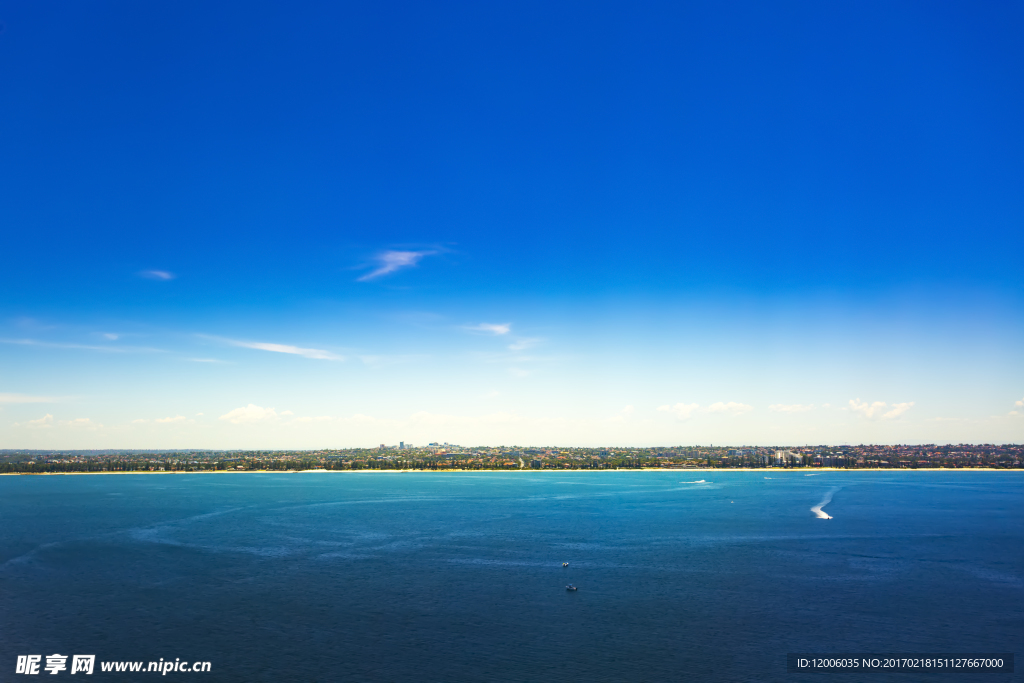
388 576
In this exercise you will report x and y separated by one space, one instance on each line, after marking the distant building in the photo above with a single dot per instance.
788 457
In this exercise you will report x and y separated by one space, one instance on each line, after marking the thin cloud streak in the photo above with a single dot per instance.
392 261
492 328
25 398
162 275
524 343
86 347
793 408
315 354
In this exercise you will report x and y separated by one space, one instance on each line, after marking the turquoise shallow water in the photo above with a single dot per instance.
443 577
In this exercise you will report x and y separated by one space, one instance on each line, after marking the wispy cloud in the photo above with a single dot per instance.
879 409
171 420
381 361
623 415
25 398
897 410
205 360
731 408
868 410
317 354
491 328
45 422
250 414
33 324
308 420
524 343
438 420
391 261
682 411
86 347
81 423
791 408
163 275
110 335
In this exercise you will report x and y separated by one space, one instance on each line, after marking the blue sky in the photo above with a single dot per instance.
323 224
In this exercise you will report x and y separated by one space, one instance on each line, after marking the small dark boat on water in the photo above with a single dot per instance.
570 587
565 564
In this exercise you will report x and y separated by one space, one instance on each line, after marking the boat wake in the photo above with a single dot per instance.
825 501
699 481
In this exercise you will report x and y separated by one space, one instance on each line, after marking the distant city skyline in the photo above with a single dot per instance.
672 224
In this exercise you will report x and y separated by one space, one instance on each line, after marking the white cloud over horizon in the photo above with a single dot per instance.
255 426
318 418
250 414
791 408
685 411
81 423
45 422
171 420
731 408
879 409
623 415
682 411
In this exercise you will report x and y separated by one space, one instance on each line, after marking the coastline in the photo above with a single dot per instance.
623 469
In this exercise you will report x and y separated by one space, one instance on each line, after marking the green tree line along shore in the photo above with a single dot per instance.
451 457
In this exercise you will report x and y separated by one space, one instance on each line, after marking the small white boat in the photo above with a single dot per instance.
565 564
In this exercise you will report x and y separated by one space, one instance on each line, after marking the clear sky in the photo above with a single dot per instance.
302 224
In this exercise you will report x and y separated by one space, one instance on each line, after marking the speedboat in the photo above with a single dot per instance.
570 587
565 564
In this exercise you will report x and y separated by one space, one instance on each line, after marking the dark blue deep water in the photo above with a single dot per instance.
458 577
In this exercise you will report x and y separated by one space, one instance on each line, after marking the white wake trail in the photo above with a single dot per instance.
825 501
